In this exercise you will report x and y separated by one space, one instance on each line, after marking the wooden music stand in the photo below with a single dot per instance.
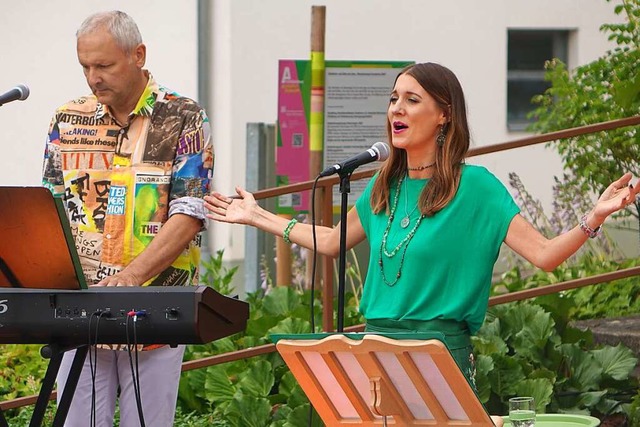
382 381
37 249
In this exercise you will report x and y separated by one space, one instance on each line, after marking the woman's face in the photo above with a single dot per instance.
413 115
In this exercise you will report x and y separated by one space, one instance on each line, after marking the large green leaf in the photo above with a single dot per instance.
291 326
489 344
187 393
281 301
297 397
259 326
484 365
541 389
280 415
287 384
506 375
585 371
532 339
617 362
516 317
217 386
590 398
249 411
300 418
258 380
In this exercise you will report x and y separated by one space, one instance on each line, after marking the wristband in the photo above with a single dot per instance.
590 232
288 229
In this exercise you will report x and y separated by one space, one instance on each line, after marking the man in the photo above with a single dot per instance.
132 163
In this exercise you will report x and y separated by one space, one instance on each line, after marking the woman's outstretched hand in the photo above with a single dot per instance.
620 194
236 209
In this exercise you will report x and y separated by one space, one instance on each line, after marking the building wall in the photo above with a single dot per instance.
248 37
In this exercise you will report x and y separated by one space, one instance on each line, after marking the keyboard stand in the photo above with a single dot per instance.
49 381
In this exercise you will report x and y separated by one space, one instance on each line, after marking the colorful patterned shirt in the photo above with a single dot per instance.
120 184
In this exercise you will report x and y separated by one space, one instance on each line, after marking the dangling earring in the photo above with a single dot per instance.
442 136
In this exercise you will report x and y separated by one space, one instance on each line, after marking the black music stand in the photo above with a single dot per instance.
37 251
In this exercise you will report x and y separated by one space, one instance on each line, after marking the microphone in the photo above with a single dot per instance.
18 93
378 152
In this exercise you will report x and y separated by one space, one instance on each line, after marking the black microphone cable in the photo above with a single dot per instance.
135 374
314 258
93 362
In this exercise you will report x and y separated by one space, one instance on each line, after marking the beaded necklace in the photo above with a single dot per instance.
404 223
404 243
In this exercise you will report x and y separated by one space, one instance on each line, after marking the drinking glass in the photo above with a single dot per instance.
522 412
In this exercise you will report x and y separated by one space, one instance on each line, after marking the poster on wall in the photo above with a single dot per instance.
356 100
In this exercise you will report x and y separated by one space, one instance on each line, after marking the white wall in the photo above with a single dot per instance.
248 39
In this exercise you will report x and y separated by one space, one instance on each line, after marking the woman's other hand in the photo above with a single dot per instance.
238 209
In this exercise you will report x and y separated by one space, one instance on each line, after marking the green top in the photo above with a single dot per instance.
448 264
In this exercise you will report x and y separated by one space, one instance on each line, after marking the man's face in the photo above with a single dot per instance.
111 73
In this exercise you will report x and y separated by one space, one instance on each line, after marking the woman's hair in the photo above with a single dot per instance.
445 89
121 26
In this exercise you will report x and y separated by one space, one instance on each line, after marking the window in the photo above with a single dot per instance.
527 52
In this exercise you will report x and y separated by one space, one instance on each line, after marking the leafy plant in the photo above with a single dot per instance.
21 368
258 391
605 89
216 275
525 350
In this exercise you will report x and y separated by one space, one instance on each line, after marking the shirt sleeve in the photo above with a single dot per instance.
498 205
52 176
193 165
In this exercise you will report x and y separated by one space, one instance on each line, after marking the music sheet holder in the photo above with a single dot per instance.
37 250
378 381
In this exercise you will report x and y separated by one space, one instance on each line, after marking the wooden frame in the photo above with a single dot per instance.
37 249
383 381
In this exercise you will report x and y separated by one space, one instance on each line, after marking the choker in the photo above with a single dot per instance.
421 168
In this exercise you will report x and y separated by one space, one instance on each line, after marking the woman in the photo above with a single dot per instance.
434 224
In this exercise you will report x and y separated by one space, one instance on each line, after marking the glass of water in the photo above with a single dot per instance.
522 412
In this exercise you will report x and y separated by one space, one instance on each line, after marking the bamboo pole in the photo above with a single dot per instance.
283 260
316 121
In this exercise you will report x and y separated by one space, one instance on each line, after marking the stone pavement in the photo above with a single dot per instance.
613 331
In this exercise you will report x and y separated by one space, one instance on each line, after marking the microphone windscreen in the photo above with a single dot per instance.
382 149
24 92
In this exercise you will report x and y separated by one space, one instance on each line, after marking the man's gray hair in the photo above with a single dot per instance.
121 26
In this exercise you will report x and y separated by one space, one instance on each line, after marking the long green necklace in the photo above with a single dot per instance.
404 243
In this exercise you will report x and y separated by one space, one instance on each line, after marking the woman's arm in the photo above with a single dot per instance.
547 254
245 210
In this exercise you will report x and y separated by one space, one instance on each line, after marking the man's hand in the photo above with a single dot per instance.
123 278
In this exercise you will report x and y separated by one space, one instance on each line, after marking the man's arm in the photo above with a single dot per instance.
186 209
171 240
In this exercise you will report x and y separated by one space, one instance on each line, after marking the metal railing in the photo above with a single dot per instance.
327 269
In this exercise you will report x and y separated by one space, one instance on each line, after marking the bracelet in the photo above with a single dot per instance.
590 232
288 229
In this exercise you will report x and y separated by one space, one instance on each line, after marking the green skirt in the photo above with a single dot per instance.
456 335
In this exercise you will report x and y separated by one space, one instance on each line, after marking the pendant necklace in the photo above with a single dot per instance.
403 245
406 220
404 223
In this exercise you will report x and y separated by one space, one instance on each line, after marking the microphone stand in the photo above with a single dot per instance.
345 188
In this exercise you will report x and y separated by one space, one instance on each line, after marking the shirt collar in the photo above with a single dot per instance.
150 95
